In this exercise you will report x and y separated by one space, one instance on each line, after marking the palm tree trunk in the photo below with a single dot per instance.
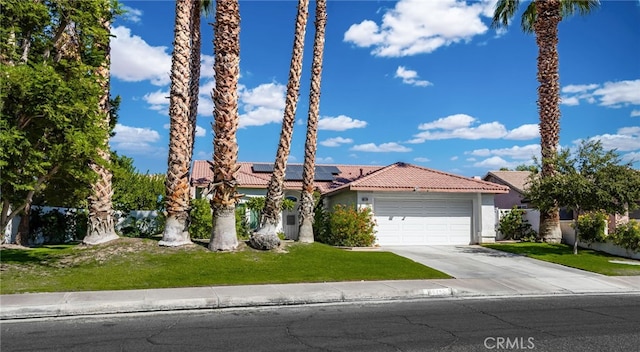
546 31
176 232
226 44
305 234
194 69
101 228
266 237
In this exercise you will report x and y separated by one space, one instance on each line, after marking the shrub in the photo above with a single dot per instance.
321 225
628 235
347 226
201 219
47 228
514 226
143 227
590 227
243 230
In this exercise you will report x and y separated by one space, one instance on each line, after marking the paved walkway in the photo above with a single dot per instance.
480 273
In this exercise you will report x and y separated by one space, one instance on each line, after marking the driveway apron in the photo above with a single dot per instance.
476 262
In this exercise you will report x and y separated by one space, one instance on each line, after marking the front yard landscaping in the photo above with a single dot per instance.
133 263
586 259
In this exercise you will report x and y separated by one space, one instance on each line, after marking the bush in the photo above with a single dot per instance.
628 235
243 230
48 228
513 226
201 219
345 226
143 227
591 226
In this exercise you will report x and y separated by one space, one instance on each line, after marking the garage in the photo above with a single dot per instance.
423 222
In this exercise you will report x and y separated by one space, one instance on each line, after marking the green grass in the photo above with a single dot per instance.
586 259
141 264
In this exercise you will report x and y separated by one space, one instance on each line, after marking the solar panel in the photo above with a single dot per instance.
294 171
262 168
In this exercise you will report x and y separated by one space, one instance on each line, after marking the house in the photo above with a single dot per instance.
516 181
412 205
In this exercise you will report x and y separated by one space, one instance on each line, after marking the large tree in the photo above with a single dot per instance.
307 201
51 120
266 237
542 18
226 47
588 180
101 227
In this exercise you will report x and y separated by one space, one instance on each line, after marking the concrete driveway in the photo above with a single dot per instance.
476 262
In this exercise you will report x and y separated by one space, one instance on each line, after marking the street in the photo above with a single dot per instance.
554 323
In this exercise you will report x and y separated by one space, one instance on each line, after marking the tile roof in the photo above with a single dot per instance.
406 177
514 179
202 175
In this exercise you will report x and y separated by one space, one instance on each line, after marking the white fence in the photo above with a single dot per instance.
122 221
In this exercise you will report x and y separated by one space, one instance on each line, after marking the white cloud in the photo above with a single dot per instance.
526 152
421 159
570 101
460 126
633 157
453 158
495 162
327 160
626 139
417 27
336 141
449 123
340 123
635 113
579 88
524 132
619 93
382 148
200 131
262 105
609 94
158 101
134 140
411 77
131 14
133 60
206 66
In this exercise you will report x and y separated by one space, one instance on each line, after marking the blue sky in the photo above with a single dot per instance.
426 82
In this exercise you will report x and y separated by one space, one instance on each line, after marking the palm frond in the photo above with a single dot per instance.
505 10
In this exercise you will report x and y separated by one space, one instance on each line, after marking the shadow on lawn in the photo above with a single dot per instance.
28 255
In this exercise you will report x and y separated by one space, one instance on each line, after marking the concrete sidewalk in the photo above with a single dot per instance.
40 305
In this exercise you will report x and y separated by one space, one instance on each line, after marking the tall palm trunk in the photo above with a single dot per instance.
266 237
226 46
546 30
194 70
101 227
305 234
176 232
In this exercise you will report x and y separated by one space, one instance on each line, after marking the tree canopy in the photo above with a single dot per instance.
49 95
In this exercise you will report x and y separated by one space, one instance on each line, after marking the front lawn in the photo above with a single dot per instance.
586 259
140 264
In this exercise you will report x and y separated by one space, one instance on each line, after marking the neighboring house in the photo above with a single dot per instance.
516 181
412 205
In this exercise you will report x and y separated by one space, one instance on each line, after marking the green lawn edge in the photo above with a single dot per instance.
586 259
69 268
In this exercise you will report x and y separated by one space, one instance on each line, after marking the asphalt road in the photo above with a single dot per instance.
580 323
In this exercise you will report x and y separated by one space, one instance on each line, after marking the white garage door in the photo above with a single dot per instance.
423 222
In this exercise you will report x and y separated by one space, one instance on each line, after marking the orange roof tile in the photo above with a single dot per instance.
407 177
202 175
514 179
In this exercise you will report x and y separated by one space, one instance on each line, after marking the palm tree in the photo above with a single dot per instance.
226 46
542 18
176 232
266 237
101 227
305 234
